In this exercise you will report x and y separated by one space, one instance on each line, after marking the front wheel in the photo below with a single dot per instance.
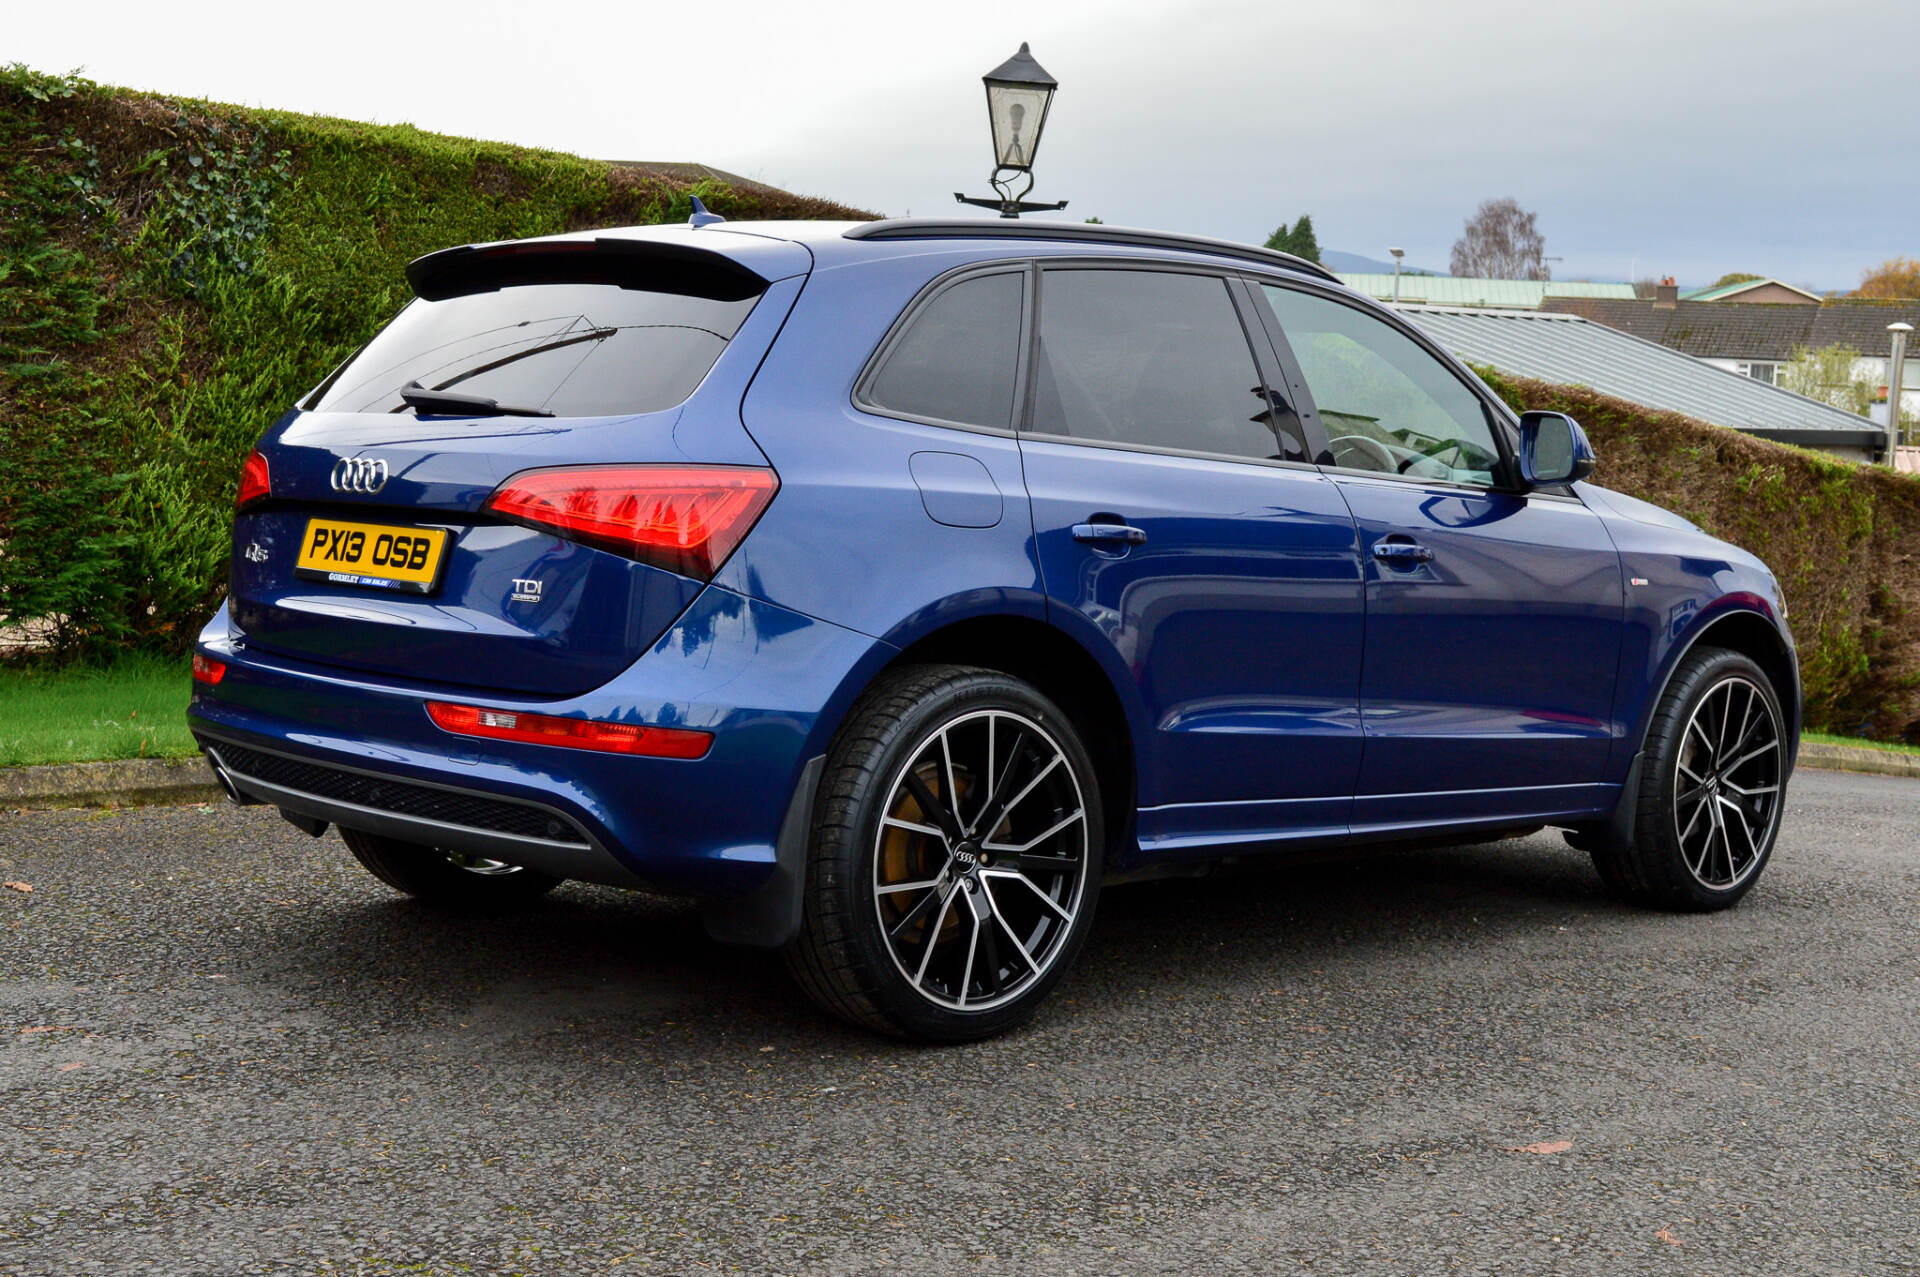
956 857
1712 785
447 878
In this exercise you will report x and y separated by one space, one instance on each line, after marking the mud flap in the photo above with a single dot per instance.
1616 833
770 916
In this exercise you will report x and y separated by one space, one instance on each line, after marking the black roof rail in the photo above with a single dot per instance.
1079 232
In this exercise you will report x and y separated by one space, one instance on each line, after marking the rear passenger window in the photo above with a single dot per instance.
1142 357
957 359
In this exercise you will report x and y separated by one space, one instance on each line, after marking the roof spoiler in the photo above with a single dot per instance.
652 265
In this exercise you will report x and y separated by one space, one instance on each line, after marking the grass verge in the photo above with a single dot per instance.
134 708
1894 747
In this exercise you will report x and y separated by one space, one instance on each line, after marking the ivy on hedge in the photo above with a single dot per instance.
174 274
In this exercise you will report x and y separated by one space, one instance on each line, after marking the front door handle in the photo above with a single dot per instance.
1109 534
1401 554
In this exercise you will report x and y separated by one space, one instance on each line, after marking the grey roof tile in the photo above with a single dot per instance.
1711 330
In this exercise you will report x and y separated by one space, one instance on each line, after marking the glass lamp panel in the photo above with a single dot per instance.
1017 112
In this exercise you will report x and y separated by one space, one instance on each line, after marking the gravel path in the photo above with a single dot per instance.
225 1049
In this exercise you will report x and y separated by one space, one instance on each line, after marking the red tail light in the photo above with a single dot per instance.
574 733
255 483
207 670
686 519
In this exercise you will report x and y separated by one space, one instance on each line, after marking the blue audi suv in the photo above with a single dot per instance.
891 587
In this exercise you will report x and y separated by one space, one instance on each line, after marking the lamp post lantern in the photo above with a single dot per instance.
1398 253
1019 92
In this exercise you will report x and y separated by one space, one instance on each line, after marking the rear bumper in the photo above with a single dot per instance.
361 752
446 816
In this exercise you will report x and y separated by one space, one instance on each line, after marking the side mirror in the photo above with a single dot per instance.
1553 449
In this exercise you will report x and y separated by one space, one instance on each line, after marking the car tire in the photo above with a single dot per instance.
949 921
1712 786
447 879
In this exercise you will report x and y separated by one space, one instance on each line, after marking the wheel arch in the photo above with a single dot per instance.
1742 626
1066 673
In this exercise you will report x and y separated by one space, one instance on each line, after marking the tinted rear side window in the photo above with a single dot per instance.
1129 356
575 350
958 357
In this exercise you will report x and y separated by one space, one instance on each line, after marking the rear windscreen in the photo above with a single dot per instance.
574 350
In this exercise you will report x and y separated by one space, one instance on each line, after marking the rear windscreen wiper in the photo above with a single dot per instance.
452 404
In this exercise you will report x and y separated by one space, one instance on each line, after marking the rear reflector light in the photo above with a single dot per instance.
207 670
686 519
255 483
574 733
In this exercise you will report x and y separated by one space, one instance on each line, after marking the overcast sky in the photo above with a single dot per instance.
1690 137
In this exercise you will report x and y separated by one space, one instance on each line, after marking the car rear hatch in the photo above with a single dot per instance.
606 374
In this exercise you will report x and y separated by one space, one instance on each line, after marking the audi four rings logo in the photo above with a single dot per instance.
359 474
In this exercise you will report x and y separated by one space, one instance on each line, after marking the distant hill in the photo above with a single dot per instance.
1354 263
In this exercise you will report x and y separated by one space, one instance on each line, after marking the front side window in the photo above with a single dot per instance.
1150 358
958 358
1386 404
573 350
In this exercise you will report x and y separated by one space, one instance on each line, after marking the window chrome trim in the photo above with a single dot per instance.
1192 454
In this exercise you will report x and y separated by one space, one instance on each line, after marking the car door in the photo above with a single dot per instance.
1494 614
1179 524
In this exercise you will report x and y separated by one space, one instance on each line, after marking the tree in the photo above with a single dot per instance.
1094 221
1299 240
1827 374
1304 243
1735 277
1895 277
1500 242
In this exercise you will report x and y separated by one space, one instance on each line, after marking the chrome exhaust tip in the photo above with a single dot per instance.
231 790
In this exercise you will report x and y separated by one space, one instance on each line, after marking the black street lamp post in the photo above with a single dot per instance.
1019 91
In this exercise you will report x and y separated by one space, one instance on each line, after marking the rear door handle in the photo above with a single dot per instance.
1109 534
1401 554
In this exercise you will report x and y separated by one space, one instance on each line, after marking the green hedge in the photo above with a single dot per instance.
173 274
1844 539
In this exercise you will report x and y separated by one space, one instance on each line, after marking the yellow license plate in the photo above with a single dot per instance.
375 555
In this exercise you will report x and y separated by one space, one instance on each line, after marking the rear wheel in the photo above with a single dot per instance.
448 878
956 857
1712 784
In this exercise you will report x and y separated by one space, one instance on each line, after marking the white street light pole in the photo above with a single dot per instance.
1398 253
1896 382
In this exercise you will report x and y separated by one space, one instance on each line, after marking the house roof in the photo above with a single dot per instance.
1446 290
695 173
1574 351
1744 330
1862 324
1727 291
1709 330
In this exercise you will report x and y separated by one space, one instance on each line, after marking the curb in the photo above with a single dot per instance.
1856 758
132 782
154 781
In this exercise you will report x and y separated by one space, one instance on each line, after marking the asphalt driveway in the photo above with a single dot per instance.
224 1048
